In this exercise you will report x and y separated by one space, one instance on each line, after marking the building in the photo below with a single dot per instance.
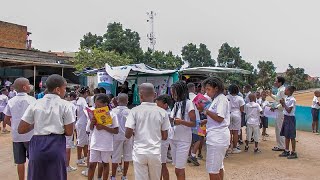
14 36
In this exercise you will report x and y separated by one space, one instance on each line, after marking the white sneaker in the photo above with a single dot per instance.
112 178
236 151
85 172
119 169
124 178
70 169
169 160
81 163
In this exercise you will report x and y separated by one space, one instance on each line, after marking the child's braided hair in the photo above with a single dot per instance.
181 90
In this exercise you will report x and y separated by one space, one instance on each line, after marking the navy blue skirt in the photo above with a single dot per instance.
47 157
315 114
288 129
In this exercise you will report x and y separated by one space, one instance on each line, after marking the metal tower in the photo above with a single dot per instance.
151 36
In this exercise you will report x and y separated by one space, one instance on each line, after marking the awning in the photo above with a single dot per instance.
211 70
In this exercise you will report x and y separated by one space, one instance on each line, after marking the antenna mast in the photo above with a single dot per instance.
151 36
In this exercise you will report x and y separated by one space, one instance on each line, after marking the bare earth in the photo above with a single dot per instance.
244 166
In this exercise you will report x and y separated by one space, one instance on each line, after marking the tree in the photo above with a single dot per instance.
97 58
123 41
197 57
266 74
91 41
297 77
229 56
162 60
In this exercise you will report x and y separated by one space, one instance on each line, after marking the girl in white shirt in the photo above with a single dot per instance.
218 135
315 111
183 117
237 107
101 145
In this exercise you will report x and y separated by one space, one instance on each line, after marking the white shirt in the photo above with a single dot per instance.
81 111
191 97
315 102
3 102
246 99
7 83
102 140
15 109
235 103
264 104
122 113
253 111
218 133
12 94
290 102
49 115
259 101
181 132
147 120
280 95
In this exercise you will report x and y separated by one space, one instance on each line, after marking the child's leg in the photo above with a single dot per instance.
21 171
85 151
201 145
256 145
287 144
114 169
195 148
235 138
180 173
92 168
164 172
105 171
79 152
317 126
68 156
125 168
313 126
293 143
100 170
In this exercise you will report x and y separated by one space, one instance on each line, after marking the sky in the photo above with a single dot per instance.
282 31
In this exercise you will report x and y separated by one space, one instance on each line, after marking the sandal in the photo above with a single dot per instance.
277 149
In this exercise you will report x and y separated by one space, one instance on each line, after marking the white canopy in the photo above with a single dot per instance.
211 70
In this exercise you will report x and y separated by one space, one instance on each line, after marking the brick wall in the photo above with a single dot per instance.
12 35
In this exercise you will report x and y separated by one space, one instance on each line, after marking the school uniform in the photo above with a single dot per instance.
47 147
101 145
288 129
166 143
253 111
82 121
195 136
3 103
69 141
147 120
218 134
315 109
243 115
12 94
15 109
181 138
264 120
121 145
235 117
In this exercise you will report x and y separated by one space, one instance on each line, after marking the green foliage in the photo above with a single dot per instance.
266 74
297 77
91 41
97 58
197 57
229 56
162 60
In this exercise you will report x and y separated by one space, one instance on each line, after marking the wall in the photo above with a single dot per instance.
303 118
12 35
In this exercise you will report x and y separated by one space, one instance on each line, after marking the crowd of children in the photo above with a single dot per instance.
149 135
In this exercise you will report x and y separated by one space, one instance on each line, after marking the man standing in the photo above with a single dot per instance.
150 124
276 107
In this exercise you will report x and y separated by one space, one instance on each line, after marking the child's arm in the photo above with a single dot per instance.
203 122
92 123
7 120
164 135
191 123
68 129
287 108
24 127
108 129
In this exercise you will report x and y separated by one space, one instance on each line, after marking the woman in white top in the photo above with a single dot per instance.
218 135
183 117
237 107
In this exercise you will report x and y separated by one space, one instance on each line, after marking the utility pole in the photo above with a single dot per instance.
151 36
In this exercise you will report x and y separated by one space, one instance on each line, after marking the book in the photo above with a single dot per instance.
103 116
199 129
201 100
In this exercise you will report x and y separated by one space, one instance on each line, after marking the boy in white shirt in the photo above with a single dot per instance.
3 103
12 92
121 145
315 111
264 120
101 144
51 118
13 114
253 112
147 120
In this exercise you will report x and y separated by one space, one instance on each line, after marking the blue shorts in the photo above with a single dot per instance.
315 114
288 129
195 138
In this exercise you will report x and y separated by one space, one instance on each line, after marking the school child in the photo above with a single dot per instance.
81 123
288 129
69 143
264 120
101 144
247 91
147 119
184 118
315 112
237 107
12 92
13 114
259 98
164 102
3 103
121 145
253 112
52 118
218 134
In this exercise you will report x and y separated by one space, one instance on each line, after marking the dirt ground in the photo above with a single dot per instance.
245 166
